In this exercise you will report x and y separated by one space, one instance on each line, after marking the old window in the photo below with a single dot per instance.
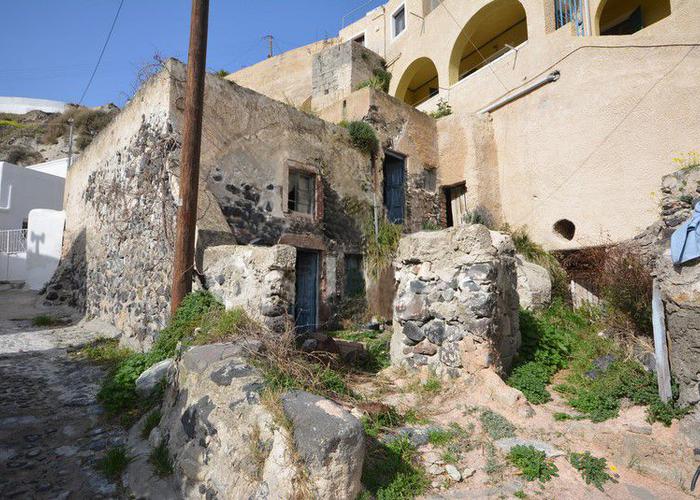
399 20
354 279
302 192
430 179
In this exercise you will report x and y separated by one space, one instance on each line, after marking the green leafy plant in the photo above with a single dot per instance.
105 352
362 135
380 249
592 469
533 463
115 462
443 109
161 460
496 425
390 471
379 81
221 73
520 494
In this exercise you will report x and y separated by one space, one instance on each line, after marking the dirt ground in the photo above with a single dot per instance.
647 461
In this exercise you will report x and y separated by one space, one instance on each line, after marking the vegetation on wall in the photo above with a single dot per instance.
379 81
362 135
87 123
381 248
443 109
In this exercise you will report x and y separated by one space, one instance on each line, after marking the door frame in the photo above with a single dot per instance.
318 254
404 159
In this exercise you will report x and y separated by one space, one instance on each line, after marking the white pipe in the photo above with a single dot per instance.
552 77
587 17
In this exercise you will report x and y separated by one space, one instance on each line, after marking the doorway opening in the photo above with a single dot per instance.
455 204
306 299
394 189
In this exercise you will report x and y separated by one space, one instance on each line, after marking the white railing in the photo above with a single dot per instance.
13 241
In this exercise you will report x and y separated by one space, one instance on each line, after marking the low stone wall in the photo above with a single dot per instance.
226 443
456 306
258 279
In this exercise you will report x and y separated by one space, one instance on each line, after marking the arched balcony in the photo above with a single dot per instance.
624 17
495 29
418 83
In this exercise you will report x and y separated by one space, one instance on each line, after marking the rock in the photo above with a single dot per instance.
452 471
506 444
468 472
149 380
455 286
640 429
426 348
600 366
432 458
330 441
534 284
435 470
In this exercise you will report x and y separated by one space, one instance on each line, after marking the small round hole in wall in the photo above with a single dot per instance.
565 228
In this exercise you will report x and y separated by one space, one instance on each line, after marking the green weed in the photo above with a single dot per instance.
46 320
362 135
379 81
592 469
152 421
443 109
378 421
161 460
533 463
105 352
390 473
495 425
115 462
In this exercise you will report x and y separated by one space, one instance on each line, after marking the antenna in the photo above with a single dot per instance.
269 38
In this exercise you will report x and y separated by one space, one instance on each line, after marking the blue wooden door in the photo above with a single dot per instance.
394 196
306 305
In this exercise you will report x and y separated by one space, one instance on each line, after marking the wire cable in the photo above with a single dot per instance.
102 53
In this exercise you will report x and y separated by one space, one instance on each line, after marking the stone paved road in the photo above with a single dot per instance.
52 431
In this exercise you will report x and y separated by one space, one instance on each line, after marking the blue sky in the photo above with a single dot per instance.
49 47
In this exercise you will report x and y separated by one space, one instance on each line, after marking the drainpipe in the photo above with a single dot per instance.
587 17
552 77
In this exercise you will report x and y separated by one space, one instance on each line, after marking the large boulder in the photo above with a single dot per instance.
226 442
150 379
456 306
534 284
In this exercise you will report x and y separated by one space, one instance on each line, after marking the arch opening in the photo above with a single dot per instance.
494 30
565 228
419 82
625 17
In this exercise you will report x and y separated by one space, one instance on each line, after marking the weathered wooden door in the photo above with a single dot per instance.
394 192
306 305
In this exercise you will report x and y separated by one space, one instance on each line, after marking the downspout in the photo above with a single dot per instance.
373 159
552 77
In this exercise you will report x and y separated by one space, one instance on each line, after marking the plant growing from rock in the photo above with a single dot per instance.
151 422
443 109
533 463
379 81
161 460
362 135
496 425
115 462
592 469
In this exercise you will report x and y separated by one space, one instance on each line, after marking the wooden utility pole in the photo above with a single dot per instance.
189 160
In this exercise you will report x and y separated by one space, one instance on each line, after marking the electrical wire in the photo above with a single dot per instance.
102 52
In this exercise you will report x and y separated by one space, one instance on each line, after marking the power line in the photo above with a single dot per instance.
102 52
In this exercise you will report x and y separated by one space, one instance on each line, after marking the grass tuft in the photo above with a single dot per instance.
46 320
391 473
152 421
161 460
115 462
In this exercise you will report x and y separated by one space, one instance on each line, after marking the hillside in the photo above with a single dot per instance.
36 136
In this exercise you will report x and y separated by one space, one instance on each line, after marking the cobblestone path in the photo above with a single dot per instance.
52 431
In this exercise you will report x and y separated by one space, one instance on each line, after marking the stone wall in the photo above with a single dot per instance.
339 69
258 279
456 306
680 285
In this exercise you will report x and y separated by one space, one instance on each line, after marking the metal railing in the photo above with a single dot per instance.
13 241
570 11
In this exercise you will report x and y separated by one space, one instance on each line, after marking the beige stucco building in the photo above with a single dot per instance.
565 113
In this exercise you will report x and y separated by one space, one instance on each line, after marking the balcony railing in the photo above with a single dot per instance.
570 11
13 241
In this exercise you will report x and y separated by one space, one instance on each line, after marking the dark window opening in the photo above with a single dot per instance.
394 191
628 26
455 204
399 21
565 228
354 278
302 192
25 224
359 39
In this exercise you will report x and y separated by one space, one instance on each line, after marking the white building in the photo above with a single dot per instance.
23 189
21 105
